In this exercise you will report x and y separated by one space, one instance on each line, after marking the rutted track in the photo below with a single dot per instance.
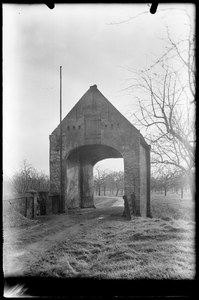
23 246
101 243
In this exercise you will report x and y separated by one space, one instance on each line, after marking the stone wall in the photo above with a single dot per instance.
143 181
54 163
72 187
86 181
53 203
27 204
23 205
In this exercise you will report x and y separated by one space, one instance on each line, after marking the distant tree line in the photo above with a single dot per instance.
108 182
163 180
168 181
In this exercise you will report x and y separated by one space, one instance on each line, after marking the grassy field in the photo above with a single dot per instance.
100 243
172 207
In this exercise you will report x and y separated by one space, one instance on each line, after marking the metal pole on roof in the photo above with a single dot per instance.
61 192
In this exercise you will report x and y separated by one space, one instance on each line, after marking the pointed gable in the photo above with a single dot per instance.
92 106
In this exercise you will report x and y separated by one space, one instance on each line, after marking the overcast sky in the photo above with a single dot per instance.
91 50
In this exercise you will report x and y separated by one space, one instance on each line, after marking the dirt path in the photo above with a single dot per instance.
23 246
101 244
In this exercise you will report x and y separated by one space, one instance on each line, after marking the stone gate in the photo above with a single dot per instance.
92 131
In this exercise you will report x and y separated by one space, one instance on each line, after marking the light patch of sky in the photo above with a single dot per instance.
81 39
111 164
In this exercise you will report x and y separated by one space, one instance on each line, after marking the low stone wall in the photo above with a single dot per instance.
53 204
32 204
23 205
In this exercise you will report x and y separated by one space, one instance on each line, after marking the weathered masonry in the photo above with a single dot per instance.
92 131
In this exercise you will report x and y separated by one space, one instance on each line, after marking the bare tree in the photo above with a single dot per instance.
29 179
119 181
110 183
100 178
179 182
113 181
165 177
165 94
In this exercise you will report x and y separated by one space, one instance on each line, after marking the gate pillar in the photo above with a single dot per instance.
86 185
132 181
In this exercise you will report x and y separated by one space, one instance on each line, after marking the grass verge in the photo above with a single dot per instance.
158 248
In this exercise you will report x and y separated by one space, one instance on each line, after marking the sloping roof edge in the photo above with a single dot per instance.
94 87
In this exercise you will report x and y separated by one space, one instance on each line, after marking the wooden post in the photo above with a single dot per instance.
33 198
61 191
26 206
148 157
126 208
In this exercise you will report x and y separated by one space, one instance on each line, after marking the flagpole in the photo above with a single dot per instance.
61 193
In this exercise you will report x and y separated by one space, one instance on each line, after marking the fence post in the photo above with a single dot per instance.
26 204
33 206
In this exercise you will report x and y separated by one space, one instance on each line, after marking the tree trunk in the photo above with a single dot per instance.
99 191
26 207
181 192
165 191
192 188
191 183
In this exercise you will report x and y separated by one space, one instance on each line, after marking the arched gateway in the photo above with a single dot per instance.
92 131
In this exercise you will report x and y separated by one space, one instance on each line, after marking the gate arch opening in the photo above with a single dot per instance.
79 185
112 171
109 183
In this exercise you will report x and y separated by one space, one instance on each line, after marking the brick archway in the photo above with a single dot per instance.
94 130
